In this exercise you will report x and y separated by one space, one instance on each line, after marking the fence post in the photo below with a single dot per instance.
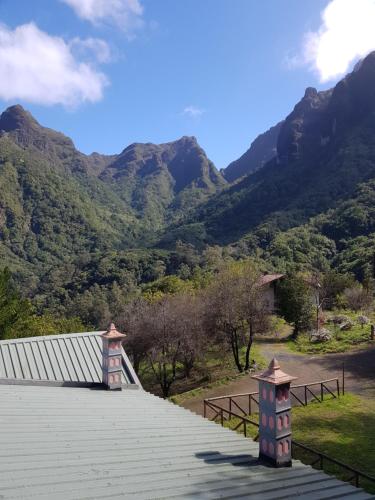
230 407
321 391
343 379
305 395
338 388
372 336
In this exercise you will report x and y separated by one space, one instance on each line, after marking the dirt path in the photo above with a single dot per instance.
359 372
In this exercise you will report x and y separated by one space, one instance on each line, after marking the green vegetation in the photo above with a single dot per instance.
294 298
341 340
18 317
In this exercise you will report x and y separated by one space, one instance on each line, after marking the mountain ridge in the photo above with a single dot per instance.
325 149
262 149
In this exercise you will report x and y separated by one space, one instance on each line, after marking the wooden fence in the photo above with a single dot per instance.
242 406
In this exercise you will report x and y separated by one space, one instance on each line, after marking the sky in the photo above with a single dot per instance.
108 73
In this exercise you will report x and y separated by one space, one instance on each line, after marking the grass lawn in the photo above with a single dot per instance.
342 428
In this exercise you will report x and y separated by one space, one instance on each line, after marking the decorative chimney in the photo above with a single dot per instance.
275 416
112 358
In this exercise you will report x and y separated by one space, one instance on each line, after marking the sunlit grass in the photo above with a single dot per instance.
341 428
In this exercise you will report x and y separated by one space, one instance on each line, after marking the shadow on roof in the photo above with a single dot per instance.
242 460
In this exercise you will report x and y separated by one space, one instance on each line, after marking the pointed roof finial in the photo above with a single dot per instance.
113 333
274 374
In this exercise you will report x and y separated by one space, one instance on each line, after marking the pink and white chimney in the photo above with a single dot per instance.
275 434
112 358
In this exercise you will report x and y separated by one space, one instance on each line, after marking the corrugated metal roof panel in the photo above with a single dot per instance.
74 443
73 357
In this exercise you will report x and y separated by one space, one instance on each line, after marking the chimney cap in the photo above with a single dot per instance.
274 374
113 333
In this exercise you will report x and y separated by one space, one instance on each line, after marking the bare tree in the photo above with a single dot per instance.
135 322
222 313
166 344
254 306
237 308
189 310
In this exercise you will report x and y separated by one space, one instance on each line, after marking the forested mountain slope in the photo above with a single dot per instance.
159 181
57 203
51 206
326 148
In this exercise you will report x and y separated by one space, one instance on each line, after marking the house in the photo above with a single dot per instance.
64 436
269 283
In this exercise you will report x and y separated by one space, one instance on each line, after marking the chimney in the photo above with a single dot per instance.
112 358
275 433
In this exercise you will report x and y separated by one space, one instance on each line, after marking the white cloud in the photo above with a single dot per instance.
40 68
346 34
126 14
95 47
193 111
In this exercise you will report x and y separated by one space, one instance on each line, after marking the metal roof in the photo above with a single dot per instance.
269 278
73 358
65 443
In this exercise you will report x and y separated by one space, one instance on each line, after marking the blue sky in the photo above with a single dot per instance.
154 70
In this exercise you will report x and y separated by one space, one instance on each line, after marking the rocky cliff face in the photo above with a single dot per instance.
300 132
262 149
322 118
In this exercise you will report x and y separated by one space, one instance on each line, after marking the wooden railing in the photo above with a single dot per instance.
250 399
301 394
322 459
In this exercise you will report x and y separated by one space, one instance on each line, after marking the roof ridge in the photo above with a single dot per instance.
50 337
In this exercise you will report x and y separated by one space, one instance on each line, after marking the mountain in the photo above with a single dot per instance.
57 203
161 181
52 208
83 231
262 149
325 149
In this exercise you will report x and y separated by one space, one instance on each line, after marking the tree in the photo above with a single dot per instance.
189 310
237 308
296 302
13 309
255 308
166 346
135 321
164 333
